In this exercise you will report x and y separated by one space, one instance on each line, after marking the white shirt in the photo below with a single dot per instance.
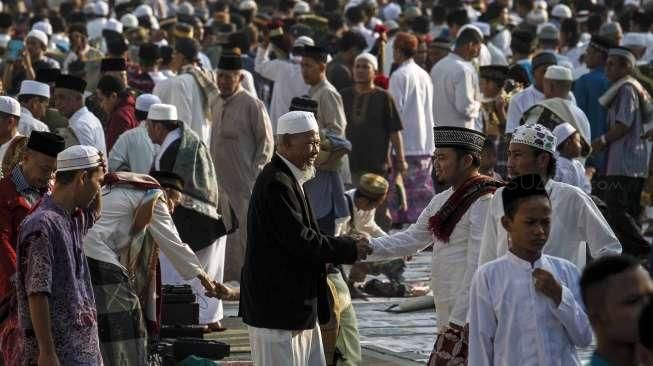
204 61
157 76
171 137
511 323
412 90
498 57
183 92
370 37
456 95
453 264
28 123
572 172
288 82
575 219
248 83
133 151
484 57
110 237
88 129
363 221
521 102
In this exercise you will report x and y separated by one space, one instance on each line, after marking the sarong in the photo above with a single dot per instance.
419 190
450 347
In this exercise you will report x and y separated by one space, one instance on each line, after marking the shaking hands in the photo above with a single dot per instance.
363 248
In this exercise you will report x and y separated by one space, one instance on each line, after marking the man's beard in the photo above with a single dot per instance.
308 173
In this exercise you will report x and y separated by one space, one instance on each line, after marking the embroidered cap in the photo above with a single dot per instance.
40 35
145 101
373 186
297 122
369 58
31 87
78 157
563 131
535 135
458 138
47 143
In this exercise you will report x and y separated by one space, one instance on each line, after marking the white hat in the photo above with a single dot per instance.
78 157
555 72
369 58
10 105
129 21
540 4
548 31
186 8
89 8
634 3
101 9
44 27
247 5
113 25
145 101
40 35
143 10
296 122
4 40
301 7
632 39
391 11
162 112
31 87
303 41
483 27
535 135
561 11
563 131
391 25
470 26
536 17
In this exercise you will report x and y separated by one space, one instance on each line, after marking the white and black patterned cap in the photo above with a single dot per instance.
535 135
458 138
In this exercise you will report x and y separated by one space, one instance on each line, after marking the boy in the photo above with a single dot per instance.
525 306
568 168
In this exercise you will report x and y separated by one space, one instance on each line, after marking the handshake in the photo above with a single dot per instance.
363 247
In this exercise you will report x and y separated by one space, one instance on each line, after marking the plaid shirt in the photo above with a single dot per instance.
23 188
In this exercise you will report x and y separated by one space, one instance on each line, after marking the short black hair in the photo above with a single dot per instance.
551 168
66 177
25 98
352 39
355 14
166 54
468 36
241 40
110 84
458 17
594 23
599 270
438 14
520 189
6 20
488 144
476 156
646 326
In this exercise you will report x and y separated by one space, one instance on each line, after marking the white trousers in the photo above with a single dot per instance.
277 347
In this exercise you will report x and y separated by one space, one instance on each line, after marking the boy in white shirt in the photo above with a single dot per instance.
568 168
525 306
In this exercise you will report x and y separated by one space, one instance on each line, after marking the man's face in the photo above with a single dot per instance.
89 186
302 149
34 47
8 126
475 49
228 81
614 68
156 132
66 101
538 75
77 41
529 228
447 165
38 106
363 72
548 88
592 58
107 102
38 168
178 61
488 87
312 70
573 145
521 160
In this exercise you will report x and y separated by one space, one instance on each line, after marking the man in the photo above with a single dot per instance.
118 104
615 289
9 117
456 94
340 70
453 223
69 100
34 98
241 145
412 90
522 46
124 244
557 84
284 75
116 67
284 245
589 88
531 151
31 59
56 305
79 47
133 150
148 75
197 219
439 48
193 91
627 152
19 192
53 118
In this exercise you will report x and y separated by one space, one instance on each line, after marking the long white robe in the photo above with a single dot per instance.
456 94
88 129
133 151
272 347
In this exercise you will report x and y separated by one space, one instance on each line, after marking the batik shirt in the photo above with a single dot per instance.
51 261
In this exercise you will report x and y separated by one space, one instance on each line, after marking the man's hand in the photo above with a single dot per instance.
208 285
598 145
48 359
223 292
545 283
363 249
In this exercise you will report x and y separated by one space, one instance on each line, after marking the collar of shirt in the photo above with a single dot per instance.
22 186
300 176
171 137
522 263
232 96
25 112
408 62
77 115
317 87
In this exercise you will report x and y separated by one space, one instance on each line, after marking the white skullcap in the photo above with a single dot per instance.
555 72
369 58
563 131
634 3
44 27
4 40
297 122
247 5
470 26
40 35
129 21
31 87
548 31
537 17
535 135
143 10
483 27
632 39
89 8
541 5
391 11
303 41
391 25
561 11
145 101
162 112
186 8
78 157
301 7
101 9
10 105
113 25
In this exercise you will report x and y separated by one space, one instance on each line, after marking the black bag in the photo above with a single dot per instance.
198 230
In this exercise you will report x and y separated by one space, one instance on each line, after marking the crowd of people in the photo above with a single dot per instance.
276 152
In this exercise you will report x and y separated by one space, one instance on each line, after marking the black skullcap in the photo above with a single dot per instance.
113 64
5 20
523 186
187 47
70 82
46 143
117 45
318 54
602 44
148 51
47 76
168 180
300 29
230 61
494 72
304 103
79 28
544 59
